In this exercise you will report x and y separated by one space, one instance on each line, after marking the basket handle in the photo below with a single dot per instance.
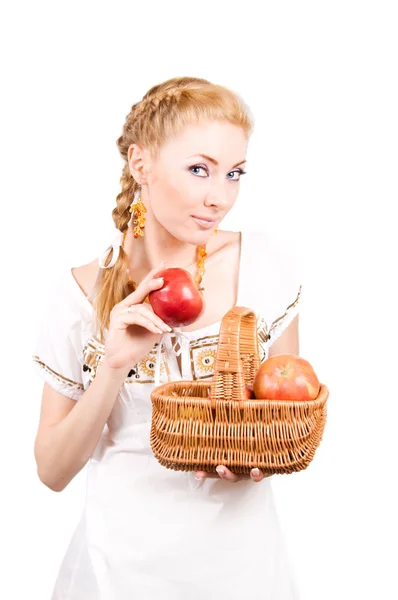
237 341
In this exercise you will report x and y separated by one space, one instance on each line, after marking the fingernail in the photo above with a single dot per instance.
198 477
256 472
220 470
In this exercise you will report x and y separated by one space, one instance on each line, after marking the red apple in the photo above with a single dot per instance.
286 377
178 302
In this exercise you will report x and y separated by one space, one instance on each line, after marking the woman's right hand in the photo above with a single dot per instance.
131 335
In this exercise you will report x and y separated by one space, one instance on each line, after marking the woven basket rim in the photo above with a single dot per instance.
166 391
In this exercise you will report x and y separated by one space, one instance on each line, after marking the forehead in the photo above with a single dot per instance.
220 139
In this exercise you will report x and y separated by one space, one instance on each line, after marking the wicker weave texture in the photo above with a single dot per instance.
197 425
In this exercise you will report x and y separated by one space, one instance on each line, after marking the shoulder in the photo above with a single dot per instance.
65 306
224 245
272 272
278 255
86 276
267 244
224 238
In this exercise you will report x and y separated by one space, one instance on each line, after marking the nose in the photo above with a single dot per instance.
219 196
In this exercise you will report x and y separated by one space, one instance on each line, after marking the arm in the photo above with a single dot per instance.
288 342
69 430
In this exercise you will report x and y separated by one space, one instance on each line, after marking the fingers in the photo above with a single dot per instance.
153 272
147 311
135 315
139 316
142 291
224 473
257 475
148 284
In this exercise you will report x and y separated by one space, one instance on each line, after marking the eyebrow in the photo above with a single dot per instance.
213 160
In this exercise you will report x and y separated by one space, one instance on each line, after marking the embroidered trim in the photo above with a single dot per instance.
200 349
146 368
141 372
206 359
277 321
64 380
282 322
262 337
93 353
209 343
262 330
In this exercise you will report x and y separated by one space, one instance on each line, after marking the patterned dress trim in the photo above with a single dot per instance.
282 322
68 387
202 351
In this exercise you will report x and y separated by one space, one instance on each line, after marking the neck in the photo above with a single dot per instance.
146 252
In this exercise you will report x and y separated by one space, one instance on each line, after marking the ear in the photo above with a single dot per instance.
137 160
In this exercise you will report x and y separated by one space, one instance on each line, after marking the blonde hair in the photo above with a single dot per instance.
162 113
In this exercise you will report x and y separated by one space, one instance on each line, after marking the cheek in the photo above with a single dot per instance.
175 195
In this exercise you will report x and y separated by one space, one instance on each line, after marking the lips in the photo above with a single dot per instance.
205 223
207 219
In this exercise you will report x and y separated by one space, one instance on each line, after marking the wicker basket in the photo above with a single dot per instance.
197 425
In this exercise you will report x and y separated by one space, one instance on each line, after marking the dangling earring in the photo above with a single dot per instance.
137 206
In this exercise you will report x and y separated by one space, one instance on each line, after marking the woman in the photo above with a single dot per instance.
146 531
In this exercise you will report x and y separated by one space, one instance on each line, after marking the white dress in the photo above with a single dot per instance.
148 532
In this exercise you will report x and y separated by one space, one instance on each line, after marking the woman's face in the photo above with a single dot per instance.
182 184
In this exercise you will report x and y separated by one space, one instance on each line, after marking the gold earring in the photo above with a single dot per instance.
139 217
215 231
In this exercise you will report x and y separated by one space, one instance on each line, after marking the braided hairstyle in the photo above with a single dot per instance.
162 113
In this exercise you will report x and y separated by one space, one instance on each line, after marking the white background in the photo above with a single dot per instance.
321 80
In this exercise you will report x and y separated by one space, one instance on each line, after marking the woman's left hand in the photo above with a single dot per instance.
224 473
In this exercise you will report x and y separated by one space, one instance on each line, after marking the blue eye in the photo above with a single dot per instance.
239 171
197 167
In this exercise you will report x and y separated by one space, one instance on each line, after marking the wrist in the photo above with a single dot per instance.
113 373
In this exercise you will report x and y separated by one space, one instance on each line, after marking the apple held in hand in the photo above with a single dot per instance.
286 377
178 302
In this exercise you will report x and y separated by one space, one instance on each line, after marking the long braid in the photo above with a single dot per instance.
116 278
120 213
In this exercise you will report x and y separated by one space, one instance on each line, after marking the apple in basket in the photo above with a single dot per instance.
179 301
286 377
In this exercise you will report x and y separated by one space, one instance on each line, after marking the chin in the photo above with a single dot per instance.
186 234
202 237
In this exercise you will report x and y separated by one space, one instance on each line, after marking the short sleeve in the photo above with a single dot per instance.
57 354
276 283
